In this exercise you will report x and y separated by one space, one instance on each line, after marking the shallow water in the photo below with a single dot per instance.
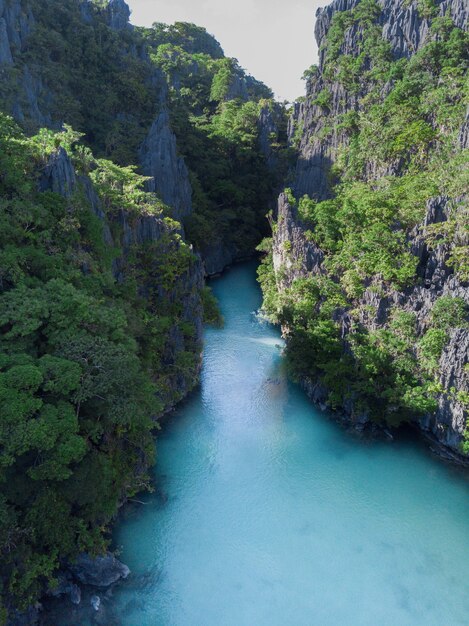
269 514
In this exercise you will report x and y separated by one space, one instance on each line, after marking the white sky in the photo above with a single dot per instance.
272 39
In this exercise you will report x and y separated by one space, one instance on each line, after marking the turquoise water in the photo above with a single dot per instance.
269 514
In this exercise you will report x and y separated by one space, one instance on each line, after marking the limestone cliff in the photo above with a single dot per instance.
143 242
149 76
168 171
326 127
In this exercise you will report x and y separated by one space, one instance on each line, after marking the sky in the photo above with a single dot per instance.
272 39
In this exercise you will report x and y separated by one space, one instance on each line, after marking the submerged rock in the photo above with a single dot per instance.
101 571
65 586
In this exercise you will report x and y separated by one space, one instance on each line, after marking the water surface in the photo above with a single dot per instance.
269 514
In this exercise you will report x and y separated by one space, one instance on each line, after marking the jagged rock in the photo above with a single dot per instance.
85 12
459 11
292 250
464 132
19 22
238 89
448 423
96 207
407 32
59 174
101 571
27 103
142 230
75 594
118 14
59 177
5 52
269 132
159 159
95 602
218 256
294 256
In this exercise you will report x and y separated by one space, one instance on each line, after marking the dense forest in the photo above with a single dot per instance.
125 154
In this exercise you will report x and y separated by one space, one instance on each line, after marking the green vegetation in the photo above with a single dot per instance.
96 338
84 360
74 59
215 110
212 314
399 150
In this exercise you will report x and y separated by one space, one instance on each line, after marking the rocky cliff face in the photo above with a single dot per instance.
318 130
170 177
16 25
406 31
131 235
132 121
34 104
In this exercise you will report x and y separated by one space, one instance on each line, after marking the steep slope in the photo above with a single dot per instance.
101 328
150 96
367 269
137 150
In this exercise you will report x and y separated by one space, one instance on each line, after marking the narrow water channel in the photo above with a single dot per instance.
269 514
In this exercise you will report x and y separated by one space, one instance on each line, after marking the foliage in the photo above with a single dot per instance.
123 189
84 360
449 312
212 314
73 59
323 99
215 110
399 149
88 328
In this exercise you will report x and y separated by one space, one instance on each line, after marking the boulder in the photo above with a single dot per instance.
101 571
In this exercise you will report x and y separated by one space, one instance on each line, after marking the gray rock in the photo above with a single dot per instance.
170 177
19 22
218 256
238 89
6 57
447 425
300 256
66 587
59 175
268 124
130 231
96 207
85 12
101 571
29 95
464 132
294 256
118 14
75 594
95 602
